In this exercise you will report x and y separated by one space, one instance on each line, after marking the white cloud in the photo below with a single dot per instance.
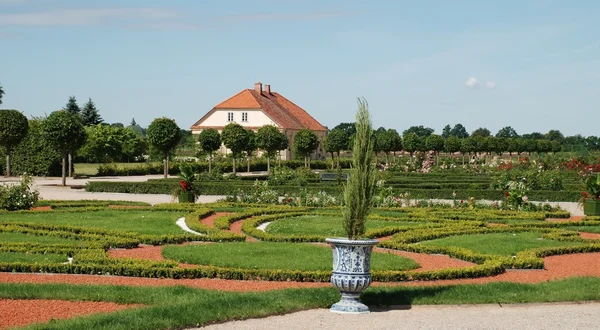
490 84
472 82
84 16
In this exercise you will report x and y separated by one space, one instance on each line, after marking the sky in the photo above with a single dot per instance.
530 64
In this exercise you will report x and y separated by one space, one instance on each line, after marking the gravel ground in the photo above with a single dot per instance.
481 317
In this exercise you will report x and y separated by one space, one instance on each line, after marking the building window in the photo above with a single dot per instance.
230 116
244 116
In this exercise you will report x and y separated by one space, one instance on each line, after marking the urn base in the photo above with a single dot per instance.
350 304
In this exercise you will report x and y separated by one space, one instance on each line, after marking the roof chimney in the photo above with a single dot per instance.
258 87
268 89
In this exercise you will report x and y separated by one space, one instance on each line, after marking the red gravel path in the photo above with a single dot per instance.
589 235
573 218
23 312
236 227
210 220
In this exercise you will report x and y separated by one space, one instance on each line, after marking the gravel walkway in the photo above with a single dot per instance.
582 316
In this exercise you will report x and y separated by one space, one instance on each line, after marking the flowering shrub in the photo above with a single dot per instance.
592 184
18 197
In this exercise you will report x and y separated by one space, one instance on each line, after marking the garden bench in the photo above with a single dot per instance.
334 176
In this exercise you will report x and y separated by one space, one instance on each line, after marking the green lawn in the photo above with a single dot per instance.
92 168
504 244
183 307
25 238
324 225
143 222
32 257
289 256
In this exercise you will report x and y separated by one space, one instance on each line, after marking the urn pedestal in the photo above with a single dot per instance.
591 207
351 272
186 197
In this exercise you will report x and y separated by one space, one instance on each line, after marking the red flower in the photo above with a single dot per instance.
184 185
506 194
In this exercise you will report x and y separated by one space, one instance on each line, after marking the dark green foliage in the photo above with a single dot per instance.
209 141
89 114
420 131
349 128
359 190
235 138
507 132
335 141
111 144
452 144
305 142
72 107
270 139
481 132
66 134
164 135
459 131
435 142
13 129
412 142
1 93
35 155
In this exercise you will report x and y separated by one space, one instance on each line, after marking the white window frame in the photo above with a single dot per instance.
244 117
230 116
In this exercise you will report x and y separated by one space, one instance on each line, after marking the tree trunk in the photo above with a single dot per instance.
70 165
387 158
338 160
248 169
8 163
166 166
64 170
309 162
279 158
234 163
268 163
332 160
209 163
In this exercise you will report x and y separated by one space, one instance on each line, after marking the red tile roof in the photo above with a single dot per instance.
281 110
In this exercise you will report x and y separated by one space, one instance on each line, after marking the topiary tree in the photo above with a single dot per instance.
411 143
283 144
270 139
360 188
164 135
235 138
250 147
66 134
335 141
209 141
436 143
305 142
13 129
452 145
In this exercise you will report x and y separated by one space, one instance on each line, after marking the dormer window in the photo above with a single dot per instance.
244 116
230 116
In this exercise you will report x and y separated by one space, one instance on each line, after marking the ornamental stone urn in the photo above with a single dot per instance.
351 272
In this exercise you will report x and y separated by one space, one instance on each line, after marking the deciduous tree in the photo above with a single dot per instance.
164 135
335 141
66 133
235 138
305 142
209 141
13 129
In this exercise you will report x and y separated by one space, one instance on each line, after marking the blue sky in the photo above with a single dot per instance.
534 65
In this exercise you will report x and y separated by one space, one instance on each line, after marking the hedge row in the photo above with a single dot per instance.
228 188
226 167
212 234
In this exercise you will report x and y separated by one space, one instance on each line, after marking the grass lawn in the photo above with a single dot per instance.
183 307
143 222
324 225
504 244
92 168
26 238
32 257
292 256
